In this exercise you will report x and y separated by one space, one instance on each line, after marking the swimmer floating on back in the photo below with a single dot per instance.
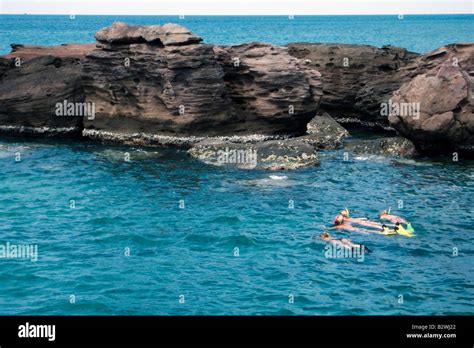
360 221
341 223
385 215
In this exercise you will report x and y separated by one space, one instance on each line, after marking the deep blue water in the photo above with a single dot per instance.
190 251
418 33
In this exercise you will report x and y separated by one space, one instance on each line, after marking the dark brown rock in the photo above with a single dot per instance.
444 96
29 93
169 90
196 89
272 89
27 52
356 78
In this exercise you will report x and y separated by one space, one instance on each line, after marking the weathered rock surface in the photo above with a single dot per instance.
170 90
359 80
29 93
186 88
324 133
389 146
445 97
151 84
5 65
268 155
32 80
273 90
356 78
27 52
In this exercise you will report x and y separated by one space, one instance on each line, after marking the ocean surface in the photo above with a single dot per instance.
418 33
165 234
132 237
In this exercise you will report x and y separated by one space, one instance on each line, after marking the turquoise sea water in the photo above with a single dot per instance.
418 33
191 251
83 206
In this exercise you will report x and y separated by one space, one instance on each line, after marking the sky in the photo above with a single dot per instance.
235 7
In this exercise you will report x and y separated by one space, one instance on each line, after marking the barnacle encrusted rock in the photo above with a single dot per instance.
268 155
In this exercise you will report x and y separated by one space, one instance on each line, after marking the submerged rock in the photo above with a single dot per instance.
390 146
269 155
324 132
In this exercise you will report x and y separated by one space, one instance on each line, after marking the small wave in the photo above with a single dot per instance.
271 182
375 158
413 162
238 241
278 177
229 220
7 151
200 238
116 155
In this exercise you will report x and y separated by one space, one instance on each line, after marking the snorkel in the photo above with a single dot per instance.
345 212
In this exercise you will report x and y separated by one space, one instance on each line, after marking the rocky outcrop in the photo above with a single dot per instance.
443 100
324 133
33 80
356 78
163 35
362 82
269 89
142 88
159 80
159 84
268 155
29 94
388 146
150 81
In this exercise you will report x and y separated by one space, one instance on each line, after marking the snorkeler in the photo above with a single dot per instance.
343 242
385 215
341 223
360 221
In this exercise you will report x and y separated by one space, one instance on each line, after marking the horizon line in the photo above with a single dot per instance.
234 15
